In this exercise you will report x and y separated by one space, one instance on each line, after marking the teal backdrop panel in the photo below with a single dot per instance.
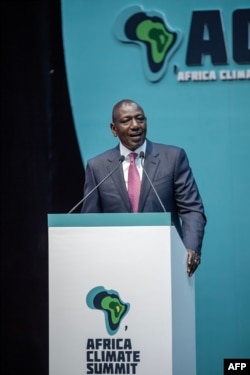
199 100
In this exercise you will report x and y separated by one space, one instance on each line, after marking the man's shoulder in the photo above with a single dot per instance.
108 154
161 147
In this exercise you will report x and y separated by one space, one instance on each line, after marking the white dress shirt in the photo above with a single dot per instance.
125 151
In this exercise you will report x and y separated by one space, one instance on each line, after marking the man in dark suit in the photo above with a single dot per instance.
166 168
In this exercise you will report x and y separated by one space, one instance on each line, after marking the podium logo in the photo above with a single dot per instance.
152 33
110 303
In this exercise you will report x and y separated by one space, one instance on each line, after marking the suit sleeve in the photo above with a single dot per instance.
189 204
93 203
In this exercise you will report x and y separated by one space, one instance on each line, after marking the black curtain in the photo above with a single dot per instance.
41 173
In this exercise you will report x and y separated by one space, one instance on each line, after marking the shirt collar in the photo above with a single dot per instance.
125 151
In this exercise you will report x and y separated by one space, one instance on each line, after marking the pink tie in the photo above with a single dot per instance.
134 183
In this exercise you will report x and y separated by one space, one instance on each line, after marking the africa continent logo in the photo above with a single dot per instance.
111 304
152 33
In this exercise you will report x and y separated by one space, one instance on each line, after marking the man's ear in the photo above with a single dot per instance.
113 129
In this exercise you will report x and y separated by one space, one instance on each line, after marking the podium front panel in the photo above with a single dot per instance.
110 295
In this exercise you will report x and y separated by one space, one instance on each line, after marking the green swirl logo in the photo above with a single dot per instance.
151 32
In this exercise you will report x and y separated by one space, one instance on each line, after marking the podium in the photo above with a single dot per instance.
120 301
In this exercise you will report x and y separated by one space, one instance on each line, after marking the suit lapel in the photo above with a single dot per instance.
151 165
118 176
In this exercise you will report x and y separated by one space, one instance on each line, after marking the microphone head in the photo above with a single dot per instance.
142 155
121 158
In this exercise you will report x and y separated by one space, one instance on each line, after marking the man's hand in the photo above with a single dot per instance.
193 261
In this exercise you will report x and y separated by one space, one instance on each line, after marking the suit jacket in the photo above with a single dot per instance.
168 169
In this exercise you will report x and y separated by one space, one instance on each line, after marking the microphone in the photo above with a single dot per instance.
121 160
142 157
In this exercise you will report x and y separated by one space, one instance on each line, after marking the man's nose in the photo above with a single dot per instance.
134 122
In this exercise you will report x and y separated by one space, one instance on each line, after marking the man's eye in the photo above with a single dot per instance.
125 121
141 118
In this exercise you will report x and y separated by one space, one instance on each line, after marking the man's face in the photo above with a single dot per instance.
130 125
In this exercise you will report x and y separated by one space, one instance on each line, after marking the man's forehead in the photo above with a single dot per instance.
124 107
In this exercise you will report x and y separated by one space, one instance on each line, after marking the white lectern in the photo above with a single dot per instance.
120 301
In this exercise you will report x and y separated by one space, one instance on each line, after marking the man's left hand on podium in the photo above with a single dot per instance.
193 261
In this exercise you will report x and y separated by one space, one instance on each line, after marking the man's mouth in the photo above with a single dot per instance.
135 135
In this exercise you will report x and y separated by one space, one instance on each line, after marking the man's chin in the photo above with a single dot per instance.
135 143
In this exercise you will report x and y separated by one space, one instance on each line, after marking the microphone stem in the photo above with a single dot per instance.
151 184
96 187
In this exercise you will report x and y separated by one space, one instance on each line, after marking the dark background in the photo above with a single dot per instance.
41 172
